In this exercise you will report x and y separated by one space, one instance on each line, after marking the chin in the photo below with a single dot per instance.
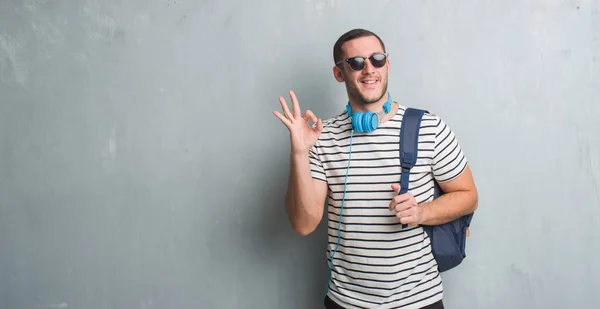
370 96
367 94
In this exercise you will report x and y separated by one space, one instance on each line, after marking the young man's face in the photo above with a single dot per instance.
369 84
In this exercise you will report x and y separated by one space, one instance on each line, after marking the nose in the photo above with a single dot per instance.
369 68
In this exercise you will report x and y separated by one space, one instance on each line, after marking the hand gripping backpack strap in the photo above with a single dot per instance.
409 146
447 240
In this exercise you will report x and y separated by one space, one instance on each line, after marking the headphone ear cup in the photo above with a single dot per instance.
387 107
357 121
370 121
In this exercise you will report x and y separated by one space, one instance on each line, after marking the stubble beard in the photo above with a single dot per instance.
355 93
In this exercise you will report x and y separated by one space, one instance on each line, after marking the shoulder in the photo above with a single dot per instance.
334 129
433 120
429 119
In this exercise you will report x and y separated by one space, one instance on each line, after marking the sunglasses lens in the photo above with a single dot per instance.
378 60
357 63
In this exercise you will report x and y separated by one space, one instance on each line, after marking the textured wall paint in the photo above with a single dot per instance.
141 166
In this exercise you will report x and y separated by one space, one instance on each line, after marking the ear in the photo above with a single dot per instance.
389 65
337 73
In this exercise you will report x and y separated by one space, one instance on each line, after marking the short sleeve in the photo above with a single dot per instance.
449 161
316 167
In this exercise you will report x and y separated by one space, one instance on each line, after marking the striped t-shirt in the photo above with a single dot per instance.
378 264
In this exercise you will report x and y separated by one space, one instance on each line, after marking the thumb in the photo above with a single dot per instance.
396 188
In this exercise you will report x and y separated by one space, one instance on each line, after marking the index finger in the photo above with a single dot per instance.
399 199
403 207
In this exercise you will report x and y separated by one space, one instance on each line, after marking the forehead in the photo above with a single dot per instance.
364 46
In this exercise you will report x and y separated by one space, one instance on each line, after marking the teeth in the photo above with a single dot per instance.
370 82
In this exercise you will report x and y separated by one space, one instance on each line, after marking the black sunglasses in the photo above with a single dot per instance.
358 63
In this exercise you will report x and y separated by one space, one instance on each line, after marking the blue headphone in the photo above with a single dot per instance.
369 121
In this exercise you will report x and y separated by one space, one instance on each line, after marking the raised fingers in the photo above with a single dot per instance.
282 118
285 109
295 105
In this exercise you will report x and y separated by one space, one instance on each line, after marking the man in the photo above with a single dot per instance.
376 262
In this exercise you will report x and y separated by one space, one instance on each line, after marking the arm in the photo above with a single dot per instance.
453 174
305 196
459 199
451 171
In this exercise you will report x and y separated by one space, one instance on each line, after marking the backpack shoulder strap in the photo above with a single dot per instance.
409 145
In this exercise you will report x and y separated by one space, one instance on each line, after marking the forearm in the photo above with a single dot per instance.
448 207
301 203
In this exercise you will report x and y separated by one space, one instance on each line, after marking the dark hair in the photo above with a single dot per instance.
338 53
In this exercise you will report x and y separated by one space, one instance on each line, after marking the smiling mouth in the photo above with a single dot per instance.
369 82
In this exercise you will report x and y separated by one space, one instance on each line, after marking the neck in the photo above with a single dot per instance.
378 107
